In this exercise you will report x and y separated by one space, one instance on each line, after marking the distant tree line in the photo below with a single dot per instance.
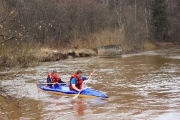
49 22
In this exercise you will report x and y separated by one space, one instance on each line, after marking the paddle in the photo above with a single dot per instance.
52 83
88 79
76 96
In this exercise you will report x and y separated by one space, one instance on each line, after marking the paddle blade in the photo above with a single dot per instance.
76 96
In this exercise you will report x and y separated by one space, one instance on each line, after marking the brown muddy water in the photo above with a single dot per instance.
142 86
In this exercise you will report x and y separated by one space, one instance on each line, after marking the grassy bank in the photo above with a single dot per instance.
29 53
17 55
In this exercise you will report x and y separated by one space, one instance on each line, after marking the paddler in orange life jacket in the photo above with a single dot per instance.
54 78
76 81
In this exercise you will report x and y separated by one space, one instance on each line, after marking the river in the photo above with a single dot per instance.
141 86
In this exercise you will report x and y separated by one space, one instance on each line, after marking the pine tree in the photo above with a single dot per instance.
159 20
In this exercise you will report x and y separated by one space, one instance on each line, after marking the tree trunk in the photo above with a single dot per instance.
146 21
135 10
118 12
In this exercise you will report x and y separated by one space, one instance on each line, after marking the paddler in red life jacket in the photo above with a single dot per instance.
54 78
76 81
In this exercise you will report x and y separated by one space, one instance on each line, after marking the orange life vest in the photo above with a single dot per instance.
78 82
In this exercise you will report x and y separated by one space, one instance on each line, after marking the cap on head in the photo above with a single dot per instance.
78 72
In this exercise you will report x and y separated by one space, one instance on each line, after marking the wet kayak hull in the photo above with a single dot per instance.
64 90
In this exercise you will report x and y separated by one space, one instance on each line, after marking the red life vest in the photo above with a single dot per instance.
53 78
58 79
78 82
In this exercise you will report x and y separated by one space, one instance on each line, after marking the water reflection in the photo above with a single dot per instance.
78 106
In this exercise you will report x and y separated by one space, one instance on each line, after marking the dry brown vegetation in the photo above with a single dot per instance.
28 29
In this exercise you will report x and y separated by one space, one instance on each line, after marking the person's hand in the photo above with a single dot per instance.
91 74
79 90
84 85
68 82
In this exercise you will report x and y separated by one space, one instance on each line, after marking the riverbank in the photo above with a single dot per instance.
56 55
31 57
47 54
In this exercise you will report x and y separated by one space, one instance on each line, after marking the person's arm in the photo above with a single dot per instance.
75 88
73 83
49 79
84 78
53 80
60 81
89 75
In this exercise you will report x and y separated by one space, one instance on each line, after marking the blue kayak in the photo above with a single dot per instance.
64 90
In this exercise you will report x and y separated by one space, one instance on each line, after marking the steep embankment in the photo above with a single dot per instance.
55 55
